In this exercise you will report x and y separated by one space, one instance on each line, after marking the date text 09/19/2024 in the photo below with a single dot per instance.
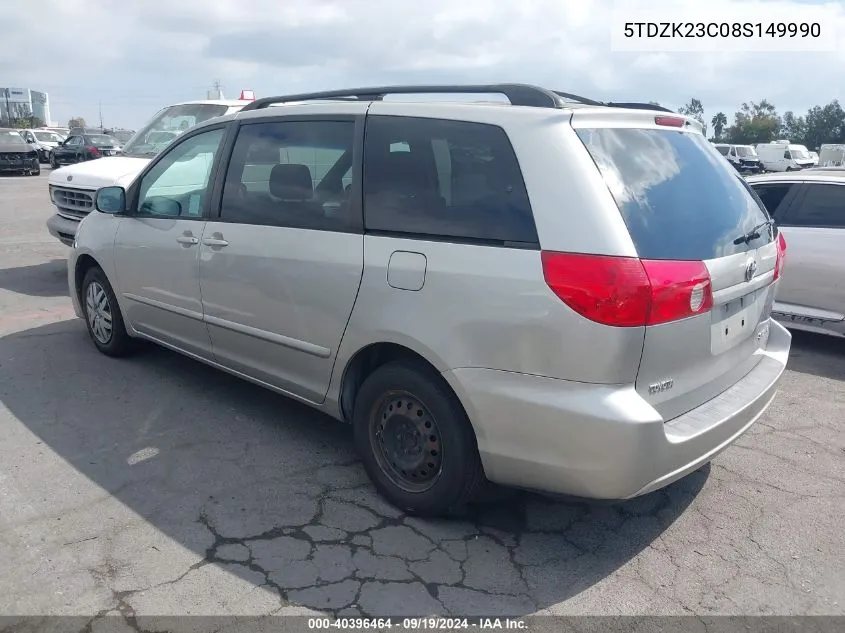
415 624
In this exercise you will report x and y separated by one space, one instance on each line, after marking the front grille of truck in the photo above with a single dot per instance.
73 204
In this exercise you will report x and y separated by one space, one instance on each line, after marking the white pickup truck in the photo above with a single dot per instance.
72 187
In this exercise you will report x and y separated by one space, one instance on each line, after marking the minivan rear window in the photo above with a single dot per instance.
679 198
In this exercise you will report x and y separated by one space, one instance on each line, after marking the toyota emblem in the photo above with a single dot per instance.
69 178
750 270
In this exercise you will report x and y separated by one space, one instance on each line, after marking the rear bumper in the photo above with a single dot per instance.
605 441
62 229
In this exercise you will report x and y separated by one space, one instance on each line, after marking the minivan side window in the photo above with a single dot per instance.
772 195
445 179
822 206
295 174
178 185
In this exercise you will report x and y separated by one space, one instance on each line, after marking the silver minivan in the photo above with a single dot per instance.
553 294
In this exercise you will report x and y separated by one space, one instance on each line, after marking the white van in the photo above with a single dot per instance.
742 157
72 187
832 155
784 156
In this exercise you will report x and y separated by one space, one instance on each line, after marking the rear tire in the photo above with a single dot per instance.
416 441
102 315
53 162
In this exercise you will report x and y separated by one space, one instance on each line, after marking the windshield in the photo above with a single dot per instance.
100 139
745 151
47 137
677 196
168 124
798 153
121 135
11 137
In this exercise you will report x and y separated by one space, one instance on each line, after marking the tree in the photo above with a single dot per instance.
694 110
76 121
719 122
21 117
793 128
756 122
824 125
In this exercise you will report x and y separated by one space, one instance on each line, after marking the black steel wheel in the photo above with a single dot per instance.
416 441
406 441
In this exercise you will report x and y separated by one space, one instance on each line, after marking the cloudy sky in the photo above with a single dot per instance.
135 56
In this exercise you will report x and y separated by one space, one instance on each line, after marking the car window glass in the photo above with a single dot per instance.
772 195
74 140
823 205
449 179
178 184
678 198
292 173
723 150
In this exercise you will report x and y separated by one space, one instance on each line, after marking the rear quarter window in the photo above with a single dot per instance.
452 180
680 200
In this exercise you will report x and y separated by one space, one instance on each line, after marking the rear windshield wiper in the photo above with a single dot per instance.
753 234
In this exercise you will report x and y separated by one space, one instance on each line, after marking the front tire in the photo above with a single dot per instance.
53 162
416 441
36 169
102 315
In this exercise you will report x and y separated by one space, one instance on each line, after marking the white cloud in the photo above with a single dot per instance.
135 56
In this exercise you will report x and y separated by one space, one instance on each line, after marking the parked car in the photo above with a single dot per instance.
814 157
79 148
743 157
43 142
481 291
809 209
72 189
16 156
784 156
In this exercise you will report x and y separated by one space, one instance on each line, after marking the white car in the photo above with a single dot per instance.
43 141
72 188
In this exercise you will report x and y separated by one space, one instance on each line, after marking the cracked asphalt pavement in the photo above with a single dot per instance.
157 486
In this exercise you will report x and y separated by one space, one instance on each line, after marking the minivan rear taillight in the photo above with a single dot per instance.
627 291
781 245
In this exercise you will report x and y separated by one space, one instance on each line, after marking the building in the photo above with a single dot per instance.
21 102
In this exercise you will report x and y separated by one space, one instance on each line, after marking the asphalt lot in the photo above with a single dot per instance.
156 486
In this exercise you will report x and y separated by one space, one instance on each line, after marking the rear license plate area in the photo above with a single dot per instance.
735 321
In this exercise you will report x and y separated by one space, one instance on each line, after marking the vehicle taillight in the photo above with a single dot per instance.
671 121
93 151
626 291
781 245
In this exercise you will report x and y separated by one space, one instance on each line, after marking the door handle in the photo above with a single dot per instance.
187 239
214 241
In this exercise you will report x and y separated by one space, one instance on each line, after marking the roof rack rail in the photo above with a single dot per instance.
638 106
517 94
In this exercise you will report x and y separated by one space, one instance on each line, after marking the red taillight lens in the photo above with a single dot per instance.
626 291
93 151
678 290
671 121
781 245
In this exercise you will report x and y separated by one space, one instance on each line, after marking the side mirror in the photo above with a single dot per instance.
111 200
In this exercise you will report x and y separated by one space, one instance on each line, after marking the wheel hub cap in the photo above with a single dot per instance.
98 311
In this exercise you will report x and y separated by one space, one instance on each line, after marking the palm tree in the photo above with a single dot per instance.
719 122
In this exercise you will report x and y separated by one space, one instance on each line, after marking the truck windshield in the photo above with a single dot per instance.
167 125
